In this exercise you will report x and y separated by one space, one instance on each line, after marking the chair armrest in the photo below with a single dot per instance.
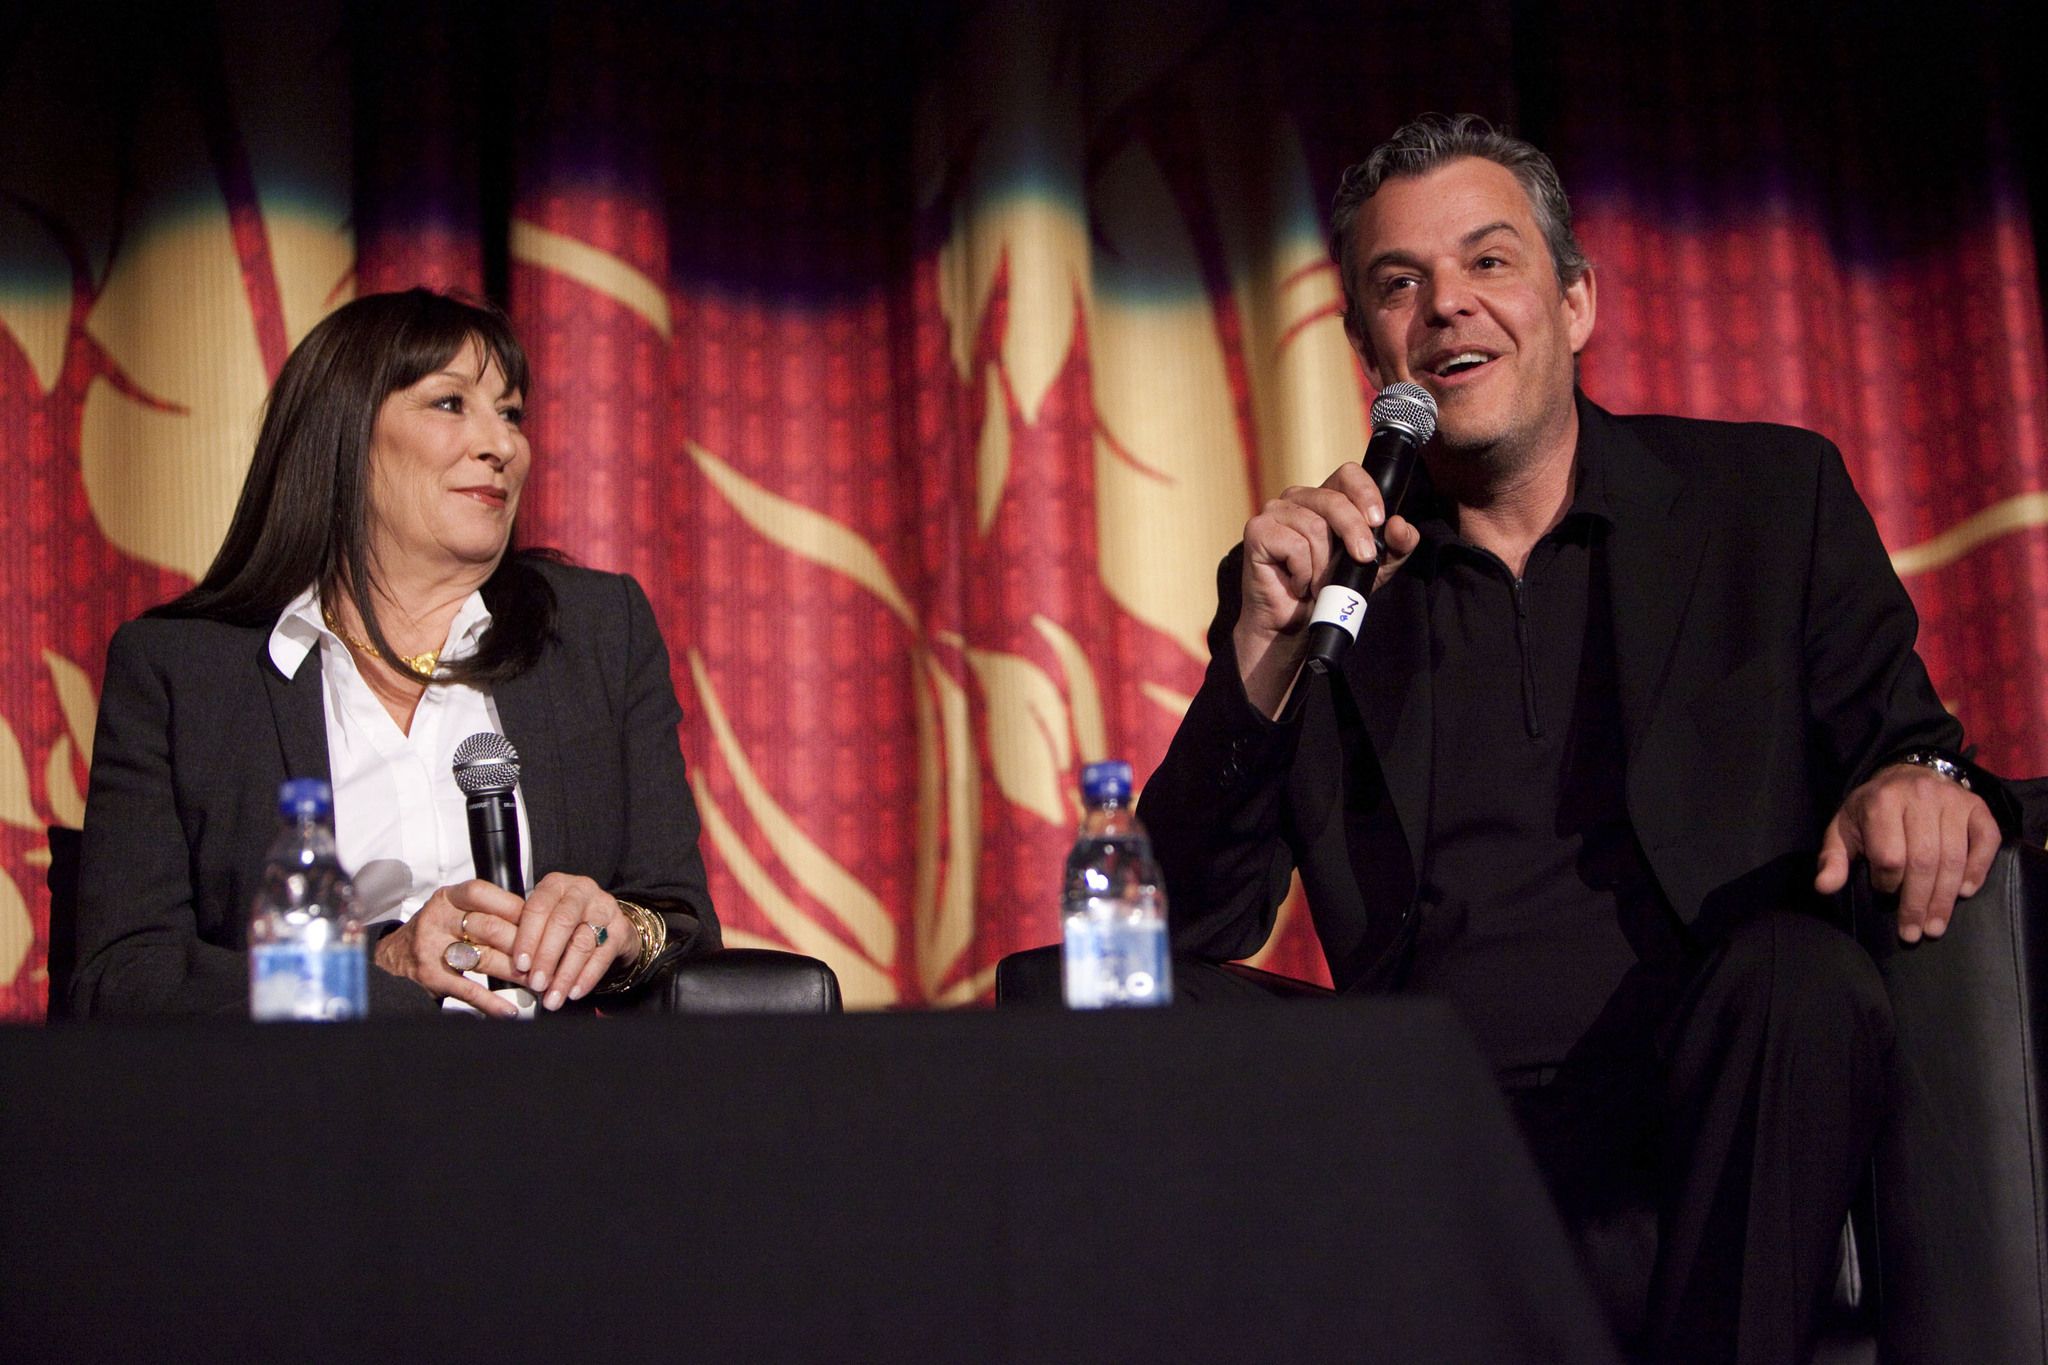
1962 1192
1030 977
62 879
742 981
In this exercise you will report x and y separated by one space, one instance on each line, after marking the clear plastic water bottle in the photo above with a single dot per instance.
1115 906
306 954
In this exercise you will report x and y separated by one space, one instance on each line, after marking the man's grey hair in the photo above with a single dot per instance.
1434 140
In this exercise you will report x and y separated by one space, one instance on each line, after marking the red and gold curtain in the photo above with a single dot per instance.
922 361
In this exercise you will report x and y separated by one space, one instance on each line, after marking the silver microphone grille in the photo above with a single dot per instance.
1408 406
486 762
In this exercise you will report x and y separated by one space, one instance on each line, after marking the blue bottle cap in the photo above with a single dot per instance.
1101 782
303 796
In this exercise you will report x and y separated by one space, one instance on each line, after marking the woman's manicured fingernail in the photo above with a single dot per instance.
538 982
1376 516
576 994
554 1000
525 962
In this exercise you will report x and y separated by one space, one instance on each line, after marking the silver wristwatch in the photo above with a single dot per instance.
1933 759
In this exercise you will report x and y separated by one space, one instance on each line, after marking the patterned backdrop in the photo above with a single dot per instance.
922 360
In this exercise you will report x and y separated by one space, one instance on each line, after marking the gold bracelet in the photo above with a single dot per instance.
653 939
653 927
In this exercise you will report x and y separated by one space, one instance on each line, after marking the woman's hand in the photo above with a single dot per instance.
415 950
557 947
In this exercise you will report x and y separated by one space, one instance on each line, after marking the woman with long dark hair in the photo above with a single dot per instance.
365 614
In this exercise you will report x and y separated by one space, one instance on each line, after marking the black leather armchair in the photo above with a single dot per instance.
746 981
1948 1260
1961 1178
731 981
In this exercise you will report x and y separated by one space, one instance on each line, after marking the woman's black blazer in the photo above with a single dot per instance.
197 728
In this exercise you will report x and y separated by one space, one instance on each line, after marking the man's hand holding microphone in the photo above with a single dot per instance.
1310 554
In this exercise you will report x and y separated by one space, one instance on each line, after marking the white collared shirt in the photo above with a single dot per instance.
400 825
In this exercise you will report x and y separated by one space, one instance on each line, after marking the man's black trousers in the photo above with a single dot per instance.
1738 1092
1706 1136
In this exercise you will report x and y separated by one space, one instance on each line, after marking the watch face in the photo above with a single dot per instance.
1924 758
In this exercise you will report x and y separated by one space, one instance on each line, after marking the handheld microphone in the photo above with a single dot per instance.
1403 420
487 768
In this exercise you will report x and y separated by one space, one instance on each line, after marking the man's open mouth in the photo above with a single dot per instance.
1460 363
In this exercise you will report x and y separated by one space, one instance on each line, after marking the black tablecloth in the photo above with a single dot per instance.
1316 1182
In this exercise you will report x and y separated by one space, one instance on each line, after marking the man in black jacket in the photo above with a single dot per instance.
1621 680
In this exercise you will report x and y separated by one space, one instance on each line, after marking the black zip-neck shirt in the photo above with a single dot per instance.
1536 898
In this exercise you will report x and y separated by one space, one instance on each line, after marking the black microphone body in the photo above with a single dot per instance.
1404 418
487 769
494 839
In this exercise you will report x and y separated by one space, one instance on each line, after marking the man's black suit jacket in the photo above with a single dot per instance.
1764 648
197 728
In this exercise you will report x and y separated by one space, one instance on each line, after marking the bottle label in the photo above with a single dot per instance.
1337 605
309 981
1115 955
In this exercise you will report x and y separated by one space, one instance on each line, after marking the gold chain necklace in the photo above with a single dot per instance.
418 663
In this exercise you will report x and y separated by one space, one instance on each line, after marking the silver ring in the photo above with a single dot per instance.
462 956
603 931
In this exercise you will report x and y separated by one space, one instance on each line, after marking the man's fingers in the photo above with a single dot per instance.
1358 489
1930 841
1834 860
1882 833
1948 876
1346 515
1294 535
1273 541
1922 838
1985 838
1308 545
1402 538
